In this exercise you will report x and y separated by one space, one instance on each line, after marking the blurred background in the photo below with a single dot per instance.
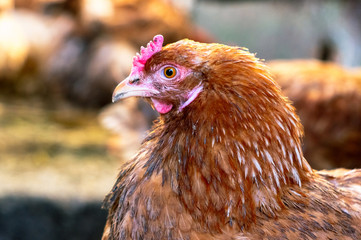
62 142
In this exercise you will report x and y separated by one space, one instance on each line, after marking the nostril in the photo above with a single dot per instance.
135 80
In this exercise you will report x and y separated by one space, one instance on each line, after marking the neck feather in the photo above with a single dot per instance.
228 158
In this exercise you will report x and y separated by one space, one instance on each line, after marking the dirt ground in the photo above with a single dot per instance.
55 153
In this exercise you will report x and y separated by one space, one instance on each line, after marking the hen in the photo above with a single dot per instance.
224 160
328 100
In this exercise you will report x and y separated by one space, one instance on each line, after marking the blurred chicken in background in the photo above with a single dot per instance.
327 98
27 39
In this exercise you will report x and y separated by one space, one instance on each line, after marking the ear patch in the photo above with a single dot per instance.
191 96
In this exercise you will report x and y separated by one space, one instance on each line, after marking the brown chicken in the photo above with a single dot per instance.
328 100
224 161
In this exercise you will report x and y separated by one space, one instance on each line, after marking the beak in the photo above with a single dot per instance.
130 87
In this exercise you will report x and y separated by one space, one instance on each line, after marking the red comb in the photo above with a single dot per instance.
145 53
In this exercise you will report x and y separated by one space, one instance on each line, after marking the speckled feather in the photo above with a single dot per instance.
229 165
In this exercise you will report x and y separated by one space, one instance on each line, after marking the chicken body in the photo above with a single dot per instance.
224 160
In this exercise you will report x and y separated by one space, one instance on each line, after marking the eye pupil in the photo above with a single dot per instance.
169 72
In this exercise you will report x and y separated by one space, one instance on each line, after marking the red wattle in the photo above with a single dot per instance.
161 107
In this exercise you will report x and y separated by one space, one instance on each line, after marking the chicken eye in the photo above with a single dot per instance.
169 72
